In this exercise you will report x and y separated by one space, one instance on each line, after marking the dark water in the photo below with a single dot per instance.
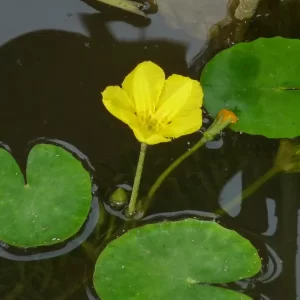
55 59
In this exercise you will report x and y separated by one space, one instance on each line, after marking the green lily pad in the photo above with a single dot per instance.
175 260
53 203
260 82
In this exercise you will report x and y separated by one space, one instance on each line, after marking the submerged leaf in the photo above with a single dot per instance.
175 260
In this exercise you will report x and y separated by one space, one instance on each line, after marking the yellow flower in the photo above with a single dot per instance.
155 108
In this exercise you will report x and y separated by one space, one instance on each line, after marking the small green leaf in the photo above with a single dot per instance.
175 260
259 81
51 206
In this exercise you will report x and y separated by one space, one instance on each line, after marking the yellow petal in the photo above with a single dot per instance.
183 124
156 139
179 94
144 85
119 104
150 139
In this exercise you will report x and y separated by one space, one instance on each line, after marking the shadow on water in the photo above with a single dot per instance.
52 83
50 87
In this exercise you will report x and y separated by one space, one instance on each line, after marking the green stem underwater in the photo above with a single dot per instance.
175 164
249 190
137 179
223 119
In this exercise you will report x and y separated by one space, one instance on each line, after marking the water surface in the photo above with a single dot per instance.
56 57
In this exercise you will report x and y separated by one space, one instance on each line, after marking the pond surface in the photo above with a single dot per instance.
56 57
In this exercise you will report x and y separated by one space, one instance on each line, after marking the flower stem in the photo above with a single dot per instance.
223 119
249 190
137 179
171 167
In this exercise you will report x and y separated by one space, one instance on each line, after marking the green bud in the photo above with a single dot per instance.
118 198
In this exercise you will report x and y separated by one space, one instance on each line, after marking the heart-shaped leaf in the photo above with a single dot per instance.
175 260
259 81
53 203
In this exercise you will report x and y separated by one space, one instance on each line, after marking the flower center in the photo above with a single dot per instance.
150 124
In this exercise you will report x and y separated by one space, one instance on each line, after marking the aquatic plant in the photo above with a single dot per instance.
248 80
190 255
244 89
188 259
49 204
263 93
155 108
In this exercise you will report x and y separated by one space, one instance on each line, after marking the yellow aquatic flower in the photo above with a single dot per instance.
155 108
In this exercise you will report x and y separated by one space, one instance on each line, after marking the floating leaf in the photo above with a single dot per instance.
128 5
260 82
53 203
175 260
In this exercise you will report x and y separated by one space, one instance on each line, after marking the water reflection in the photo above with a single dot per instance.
19 17
176 215
54 90
90 294
264 297
158 30
272 217
216 144
193 16
232 189
273 266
